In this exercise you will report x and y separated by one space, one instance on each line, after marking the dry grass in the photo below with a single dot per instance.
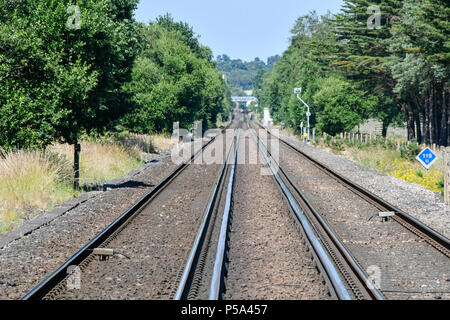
101 162
30 179
389 162
159 142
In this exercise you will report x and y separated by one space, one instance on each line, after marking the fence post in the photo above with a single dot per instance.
447 175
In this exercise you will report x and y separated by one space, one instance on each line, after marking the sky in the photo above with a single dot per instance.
242 29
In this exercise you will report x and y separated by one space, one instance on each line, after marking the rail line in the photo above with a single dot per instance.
200 245
332 258
342 272
431 236
57 277
351 266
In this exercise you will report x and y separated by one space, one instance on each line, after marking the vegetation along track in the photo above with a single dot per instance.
409 259
141 254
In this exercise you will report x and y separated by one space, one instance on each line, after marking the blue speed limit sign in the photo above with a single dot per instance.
426 158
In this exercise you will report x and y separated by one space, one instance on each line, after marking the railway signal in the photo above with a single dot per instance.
298 91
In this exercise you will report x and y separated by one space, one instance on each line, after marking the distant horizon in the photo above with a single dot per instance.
221 26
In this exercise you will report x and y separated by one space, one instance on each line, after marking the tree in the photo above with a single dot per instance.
57 81
363 28
420 65
395 54
340 106
336 104
240 74
172 82
187 35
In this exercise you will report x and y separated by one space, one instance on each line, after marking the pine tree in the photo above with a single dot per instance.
362 30
420 66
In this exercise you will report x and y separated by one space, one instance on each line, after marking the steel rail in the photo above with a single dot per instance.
366 284
431 236
57 276
189 269
216 287
337 287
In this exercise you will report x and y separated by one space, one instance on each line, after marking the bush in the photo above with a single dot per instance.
390 144
410 151
337 145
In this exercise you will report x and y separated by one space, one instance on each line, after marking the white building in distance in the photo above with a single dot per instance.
267 121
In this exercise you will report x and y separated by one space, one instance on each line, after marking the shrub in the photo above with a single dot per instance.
337 145
410 151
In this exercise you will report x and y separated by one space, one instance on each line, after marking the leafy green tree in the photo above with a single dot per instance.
363 28
340 106
173 82
240 74
57 81
335 103
394 54
187 35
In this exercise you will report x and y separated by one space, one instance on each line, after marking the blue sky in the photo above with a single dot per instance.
242 29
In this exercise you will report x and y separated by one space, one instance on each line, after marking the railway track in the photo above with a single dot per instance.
345 278
55 285
152 245
203 275
346 262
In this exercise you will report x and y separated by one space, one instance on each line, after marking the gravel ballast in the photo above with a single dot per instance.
26 259
152 249
409 267
267 257
423 204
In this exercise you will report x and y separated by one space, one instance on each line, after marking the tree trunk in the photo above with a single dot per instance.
385 128
434 122
418 129
76 165
411 129
426 120
444 127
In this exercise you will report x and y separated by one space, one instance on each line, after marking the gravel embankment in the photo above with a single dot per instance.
419 202
267 257
409 267
50 239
